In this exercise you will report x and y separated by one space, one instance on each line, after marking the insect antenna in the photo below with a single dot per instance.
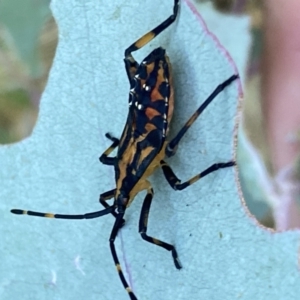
92 215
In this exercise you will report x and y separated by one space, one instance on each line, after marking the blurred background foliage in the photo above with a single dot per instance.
253 153
28 39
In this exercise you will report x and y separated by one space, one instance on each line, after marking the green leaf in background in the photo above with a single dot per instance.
24 20
27 46
255 181
16 104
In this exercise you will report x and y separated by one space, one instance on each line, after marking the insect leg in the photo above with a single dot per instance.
130 64
106 196
143 229
145 39
117 226
131 67
173 144
176 184
104 157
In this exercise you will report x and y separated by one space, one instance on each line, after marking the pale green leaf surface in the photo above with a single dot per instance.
225 255
234 36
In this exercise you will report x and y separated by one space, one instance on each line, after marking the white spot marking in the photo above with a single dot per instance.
165 116
130 103
166 99
137 75
140 106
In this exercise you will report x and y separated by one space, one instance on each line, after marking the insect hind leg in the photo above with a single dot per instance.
173 144
143 229
145 39
130 63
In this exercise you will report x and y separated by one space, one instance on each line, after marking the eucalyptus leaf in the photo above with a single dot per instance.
224 253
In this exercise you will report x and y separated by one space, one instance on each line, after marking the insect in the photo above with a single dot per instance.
144 142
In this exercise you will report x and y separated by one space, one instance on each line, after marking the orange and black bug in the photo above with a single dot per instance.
144 142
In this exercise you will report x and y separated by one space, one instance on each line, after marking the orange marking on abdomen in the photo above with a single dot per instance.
151 113
156 95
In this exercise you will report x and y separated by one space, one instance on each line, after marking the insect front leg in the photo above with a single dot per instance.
143 228
106 196
176 184
104 157
173 144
